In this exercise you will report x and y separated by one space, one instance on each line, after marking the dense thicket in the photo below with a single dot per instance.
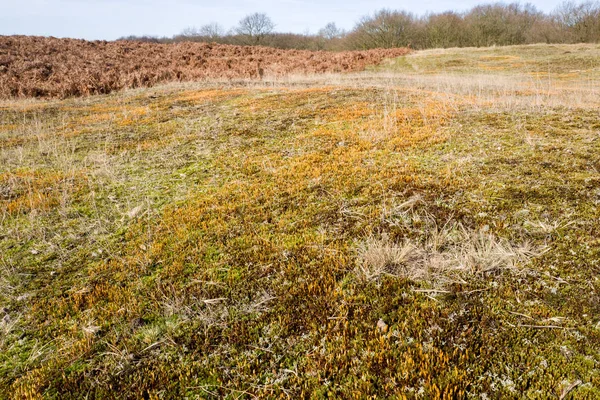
484 25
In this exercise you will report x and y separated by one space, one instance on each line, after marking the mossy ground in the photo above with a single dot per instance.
201 242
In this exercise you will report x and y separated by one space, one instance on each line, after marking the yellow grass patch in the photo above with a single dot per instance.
26 191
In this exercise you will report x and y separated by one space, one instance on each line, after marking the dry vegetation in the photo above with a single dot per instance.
49 67
427 229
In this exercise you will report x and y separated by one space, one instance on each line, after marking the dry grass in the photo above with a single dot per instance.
446 255
479 91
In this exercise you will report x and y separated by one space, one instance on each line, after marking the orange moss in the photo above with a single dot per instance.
25 191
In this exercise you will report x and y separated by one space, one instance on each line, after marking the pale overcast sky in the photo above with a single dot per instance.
110 19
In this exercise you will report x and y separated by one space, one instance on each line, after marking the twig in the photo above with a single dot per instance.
153 345
544 327
474 291
431 291
432 298
519 314
568 390
214 301
261 348
204 388
264 301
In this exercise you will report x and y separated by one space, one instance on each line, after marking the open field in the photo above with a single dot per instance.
428 228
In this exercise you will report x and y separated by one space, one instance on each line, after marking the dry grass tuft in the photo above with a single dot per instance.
379 255
442 256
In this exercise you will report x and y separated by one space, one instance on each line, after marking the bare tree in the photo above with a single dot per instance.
385 29
331 31
212 31
581 21
444 30
190 31
255 27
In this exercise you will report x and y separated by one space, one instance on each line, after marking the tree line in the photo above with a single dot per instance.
484 25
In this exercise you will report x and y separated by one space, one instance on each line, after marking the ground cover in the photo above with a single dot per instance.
390 233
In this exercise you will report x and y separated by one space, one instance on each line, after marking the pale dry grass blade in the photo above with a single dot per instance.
448 254
379 255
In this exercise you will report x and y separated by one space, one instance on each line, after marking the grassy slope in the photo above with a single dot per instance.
206 242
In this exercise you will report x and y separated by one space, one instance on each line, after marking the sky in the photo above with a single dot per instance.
111 19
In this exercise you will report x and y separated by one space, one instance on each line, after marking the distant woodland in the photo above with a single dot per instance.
484 25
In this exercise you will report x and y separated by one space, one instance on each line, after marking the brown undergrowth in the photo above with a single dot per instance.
50 67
